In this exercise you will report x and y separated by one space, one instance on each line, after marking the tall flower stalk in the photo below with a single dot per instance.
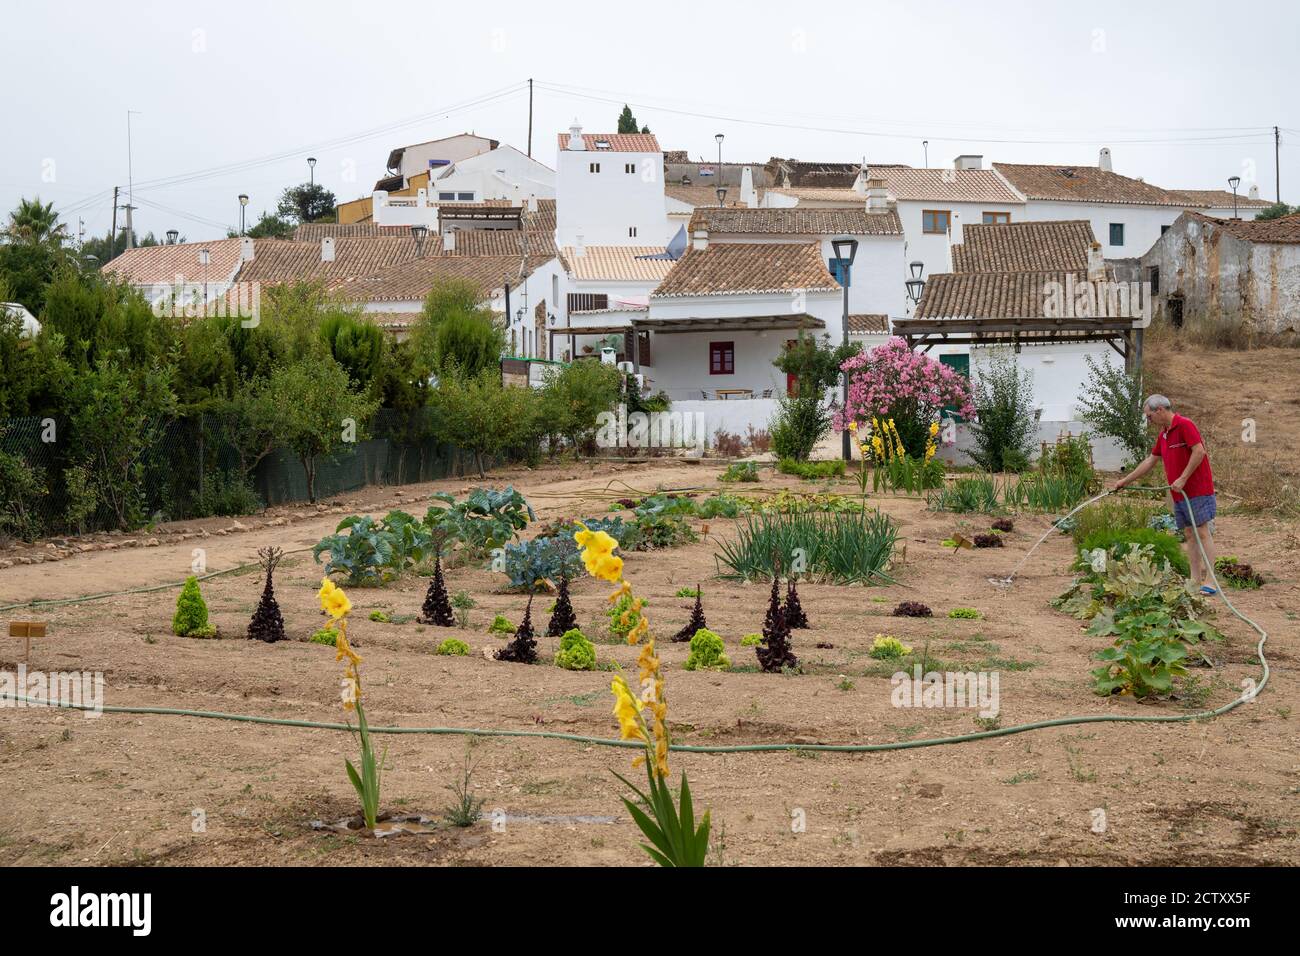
366 781
675 840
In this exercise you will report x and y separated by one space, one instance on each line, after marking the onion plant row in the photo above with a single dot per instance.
844 547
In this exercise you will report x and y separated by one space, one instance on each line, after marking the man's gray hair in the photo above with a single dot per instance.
1156 402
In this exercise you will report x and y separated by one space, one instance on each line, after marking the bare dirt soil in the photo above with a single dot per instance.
126 789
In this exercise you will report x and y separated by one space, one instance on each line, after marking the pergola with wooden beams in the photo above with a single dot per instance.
925 334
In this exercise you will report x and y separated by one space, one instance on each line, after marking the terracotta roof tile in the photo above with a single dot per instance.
617 263
280 261
945 185
1220 199
797 221
988 295
412 280
737 268
369 229
152 264
1283 230
702 194
618 142
869 324
1023 247
1084 184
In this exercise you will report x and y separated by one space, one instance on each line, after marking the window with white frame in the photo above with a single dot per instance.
594 167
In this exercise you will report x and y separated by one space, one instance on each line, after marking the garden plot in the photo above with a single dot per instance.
129 788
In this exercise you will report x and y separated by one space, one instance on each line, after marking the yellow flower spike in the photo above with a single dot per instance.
853 426
623 588
608 567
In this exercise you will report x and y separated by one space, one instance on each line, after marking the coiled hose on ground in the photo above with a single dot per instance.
1246 696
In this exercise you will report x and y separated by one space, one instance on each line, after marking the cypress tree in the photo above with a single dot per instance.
775 653
696 622
267 623
522 649
794 615
563 619
437 605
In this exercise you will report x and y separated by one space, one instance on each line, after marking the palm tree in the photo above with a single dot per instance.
33 221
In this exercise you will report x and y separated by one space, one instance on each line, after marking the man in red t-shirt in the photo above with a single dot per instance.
1187 469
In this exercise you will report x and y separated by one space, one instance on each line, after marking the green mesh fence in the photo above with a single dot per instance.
191 459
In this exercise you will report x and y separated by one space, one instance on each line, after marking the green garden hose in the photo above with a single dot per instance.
1246 697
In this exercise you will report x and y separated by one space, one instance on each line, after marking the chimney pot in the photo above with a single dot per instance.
246 251
1096 263
968 161
449 241
700 239
575 136
1103 160
327 249
580 249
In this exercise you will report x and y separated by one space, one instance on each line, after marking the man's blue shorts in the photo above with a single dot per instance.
1204 509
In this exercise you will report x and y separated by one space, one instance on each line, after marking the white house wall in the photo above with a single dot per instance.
601 207
1142 224
932 249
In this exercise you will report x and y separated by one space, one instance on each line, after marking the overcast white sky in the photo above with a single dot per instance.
1184 93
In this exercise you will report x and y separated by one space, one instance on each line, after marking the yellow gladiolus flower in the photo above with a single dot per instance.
853 426
333 600
934 429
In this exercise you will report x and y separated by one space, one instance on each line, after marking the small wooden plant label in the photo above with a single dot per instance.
27 630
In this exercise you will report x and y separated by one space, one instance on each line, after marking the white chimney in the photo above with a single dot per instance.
1096 263
449 241
580 249
1254 191
968 161
575 136
700 239
954 229
748 197
532 205
327 249
860 181
877 196
246 249
1103 161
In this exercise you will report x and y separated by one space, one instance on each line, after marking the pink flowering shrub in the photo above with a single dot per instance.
892 381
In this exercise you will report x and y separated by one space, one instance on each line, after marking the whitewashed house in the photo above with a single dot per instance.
1005 292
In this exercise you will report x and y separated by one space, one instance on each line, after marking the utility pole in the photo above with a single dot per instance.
530 118
112 231
1277 162
130 183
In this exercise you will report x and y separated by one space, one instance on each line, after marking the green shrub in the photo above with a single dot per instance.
21 488
454 648
226 494
964 613
327 636
1111 402
706 653
501 625
811 470
751 640
1003 433
380 617
687 592
191 617
798 426
740 471
1119 541
576 652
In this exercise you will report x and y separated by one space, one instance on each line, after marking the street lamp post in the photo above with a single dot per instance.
719 139
1234 182
243 204
722 195
311 161
845 251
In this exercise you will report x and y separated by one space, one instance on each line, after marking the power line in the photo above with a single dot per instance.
244 165
1219 139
